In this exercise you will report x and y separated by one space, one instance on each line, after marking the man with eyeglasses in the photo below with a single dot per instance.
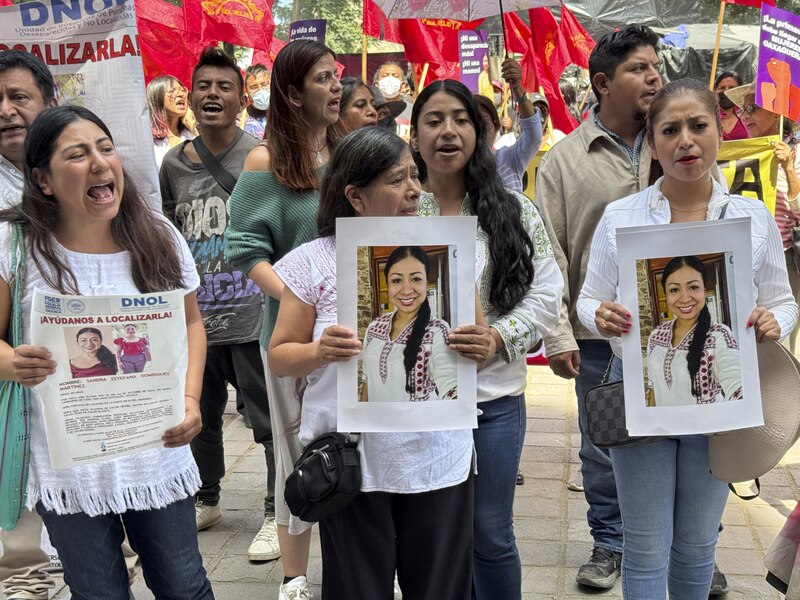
761 122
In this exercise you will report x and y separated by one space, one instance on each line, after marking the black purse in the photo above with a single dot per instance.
326 477
605 415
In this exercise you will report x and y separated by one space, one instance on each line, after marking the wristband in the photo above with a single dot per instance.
521 99
192 397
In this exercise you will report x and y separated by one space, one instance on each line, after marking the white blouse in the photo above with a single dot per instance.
650 207
384 368
390 462
718 380
150 479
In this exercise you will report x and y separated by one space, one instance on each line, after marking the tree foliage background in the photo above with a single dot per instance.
343 33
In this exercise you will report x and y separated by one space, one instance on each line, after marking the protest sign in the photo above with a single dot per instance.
92 50
382 287
473 53
308 29
120 375
675 280
750 169
778 76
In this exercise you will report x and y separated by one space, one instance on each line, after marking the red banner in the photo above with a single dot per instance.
167 51
244 23
547 41
433 41
577 40
375 24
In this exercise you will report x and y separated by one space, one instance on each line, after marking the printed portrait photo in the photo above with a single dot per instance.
90 351
405 313
688 287
132 347
690 353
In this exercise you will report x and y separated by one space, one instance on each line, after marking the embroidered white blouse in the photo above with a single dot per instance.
650 207
390 462
150 479
529 321
718 380
383 361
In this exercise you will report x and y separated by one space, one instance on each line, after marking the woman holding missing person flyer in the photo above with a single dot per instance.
87 231
671 505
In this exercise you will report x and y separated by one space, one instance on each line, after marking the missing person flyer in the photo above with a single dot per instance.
120 374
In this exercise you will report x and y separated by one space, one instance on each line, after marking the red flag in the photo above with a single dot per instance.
167 51
445 71
245 22
756 3
265 57
375 24
577 40
6 3
534 73
433 41
547 41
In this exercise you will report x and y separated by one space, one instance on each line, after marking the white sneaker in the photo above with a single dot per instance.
296 589
265 544
206 515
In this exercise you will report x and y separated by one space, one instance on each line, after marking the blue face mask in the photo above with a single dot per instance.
261 99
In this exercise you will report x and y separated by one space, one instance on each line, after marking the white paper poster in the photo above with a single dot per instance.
92 50
392 274
121 372
676 280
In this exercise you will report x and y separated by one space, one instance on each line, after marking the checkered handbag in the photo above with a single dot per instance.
605 414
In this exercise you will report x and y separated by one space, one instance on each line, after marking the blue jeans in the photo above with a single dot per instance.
165 540
599 487
672 508
496 570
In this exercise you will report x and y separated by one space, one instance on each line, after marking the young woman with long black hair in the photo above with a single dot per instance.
520 288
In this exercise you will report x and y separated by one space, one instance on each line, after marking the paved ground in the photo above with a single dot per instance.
550 520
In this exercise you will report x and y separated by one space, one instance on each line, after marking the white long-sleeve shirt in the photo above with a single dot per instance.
649 207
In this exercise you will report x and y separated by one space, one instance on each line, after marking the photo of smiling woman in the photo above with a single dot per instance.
95 358
689 359
406 356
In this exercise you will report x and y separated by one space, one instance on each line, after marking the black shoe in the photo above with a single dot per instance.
602 569
719 584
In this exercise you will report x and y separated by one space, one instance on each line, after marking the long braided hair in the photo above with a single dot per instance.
703 319
423 316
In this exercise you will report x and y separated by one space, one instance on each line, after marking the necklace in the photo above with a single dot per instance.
689 210
319 151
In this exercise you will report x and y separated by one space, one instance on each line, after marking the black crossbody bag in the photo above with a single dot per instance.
218 172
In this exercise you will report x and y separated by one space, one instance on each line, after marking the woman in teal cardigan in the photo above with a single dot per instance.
273 209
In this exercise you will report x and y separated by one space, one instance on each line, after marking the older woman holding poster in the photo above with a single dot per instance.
671 505
88 232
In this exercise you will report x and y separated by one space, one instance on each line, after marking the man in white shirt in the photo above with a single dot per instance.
26 89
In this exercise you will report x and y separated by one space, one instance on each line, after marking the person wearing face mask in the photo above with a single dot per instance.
389 79
257 81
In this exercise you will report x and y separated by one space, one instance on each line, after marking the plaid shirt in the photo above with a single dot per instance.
632 153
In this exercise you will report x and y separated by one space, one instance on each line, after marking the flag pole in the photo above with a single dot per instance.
716 45
364 58
423 76
585 96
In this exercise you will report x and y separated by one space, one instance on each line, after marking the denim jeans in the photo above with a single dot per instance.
165 540
599 487
672 508
496 570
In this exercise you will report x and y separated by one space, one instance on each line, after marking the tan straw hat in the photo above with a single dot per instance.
738 94
746 454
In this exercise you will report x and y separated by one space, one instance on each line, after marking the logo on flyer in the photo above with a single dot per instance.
76 306
52 304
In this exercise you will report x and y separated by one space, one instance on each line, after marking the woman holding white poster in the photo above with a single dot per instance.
671 505
406 351
416 493
520 289
88 232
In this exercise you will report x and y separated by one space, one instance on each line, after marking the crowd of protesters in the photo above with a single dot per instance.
273 157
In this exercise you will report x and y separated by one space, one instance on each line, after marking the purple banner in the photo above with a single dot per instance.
473 53
309 29
778 77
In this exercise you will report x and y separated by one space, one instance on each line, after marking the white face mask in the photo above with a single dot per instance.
261 99
389 86
498 98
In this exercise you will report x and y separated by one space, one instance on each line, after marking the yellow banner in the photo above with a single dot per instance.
748 165
750 168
